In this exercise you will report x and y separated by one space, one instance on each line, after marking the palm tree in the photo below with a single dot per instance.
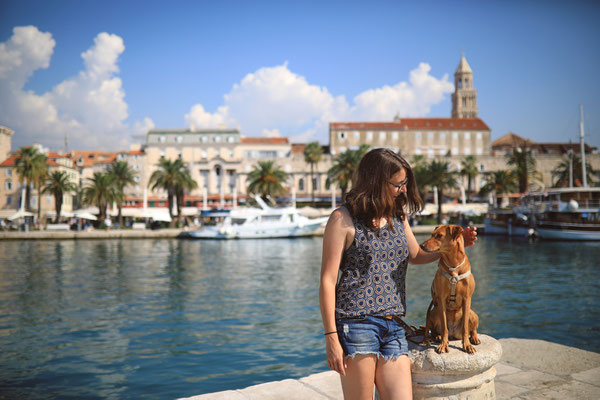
25 163
123 175
266 179
39 174
312 155
174 177
562 172
101 191
58 184
470 170
443 178
499 182
524 165
344 166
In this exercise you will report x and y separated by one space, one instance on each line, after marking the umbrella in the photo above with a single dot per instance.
85 215
20 214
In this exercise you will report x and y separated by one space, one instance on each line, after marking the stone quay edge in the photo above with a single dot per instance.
529 369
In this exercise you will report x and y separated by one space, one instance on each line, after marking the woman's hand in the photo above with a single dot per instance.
335 355
470 235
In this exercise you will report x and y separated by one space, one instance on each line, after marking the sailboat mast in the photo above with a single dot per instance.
581 134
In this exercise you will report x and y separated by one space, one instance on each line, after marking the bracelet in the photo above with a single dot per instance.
330 333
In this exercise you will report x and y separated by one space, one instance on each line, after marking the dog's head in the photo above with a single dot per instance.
444 239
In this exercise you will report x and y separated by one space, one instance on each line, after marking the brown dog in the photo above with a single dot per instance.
451 291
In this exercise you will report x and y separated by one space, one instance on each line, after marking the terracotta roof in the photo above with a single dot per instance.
298 148
414 124
11 162
135 152
92 157
510 139
264 140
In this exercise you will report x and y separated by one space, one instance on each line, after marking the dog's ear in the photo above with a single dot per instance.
456 231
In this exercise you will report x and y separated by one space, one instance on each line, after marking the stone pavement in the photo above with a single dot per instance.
528 370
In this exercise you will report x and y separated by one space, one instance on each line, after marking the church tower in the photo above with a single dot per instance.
464 98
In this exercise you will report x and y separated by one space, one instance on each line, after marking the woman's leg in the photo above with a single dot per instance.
393 380
358 384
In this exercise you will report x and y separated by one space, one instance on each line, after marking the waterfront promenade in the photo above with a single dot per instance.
528 370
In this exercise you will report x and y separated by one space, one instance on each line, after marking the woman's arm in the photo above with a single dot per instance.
334 243
416 255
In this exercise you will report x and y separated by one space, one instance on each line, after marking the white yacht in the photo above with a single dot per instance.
266 222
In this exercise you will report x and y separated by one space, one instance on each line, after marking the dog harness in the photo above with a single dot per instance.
454 279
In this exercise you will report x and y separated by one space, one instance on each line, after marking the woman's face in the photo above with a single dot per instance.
397 183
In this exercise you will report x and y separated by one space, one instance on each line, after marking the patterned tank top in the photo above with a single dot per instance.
373 270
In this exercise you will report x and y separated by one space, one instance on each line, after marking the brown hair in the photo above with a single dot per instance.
371 197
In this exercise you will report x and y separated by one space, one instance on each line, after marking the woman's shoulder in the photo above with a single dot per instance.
341 218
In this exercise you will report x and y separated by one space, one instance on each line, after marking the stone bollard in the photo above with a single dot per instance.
455 375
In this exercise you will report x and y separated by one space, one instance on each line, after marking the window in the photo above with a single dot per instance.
217 138
430 152
442 136
479 135
479 151
203 154
467 150
8 200
382 136
315 184
467 82
430 136
162 153
464 101
467 135
356 135
418 151
454 135
418 137
7 171
454 151
342 135
231 154
179 139
301 184
395 135
369 136
204 138
162 139
8 185
230 139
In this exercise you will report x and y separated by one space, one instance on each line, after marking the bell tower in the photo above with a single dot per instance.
464 98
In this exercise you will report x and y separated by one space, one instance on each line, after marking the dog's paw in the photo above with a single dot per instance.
475 340
469 349
442 348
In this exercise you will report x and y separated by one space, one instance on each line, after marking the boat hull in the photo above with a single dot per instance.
564 233
270 231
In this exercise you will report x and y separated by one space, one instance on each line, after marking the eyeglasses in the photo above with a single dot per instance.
401 185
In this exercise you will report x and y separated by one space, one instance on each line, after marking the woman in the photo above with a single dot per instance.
370 241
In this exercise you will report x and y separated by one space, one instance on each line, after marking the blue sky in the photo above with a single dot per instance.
105 72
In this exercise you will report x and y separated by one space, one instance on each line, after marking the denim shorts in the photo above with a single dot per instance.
372 335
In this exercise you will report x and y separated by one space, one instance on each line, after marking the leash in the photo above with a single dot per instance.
411 331
452 269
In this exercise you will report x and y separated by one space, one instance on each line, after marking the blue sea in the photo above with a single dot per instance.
162 319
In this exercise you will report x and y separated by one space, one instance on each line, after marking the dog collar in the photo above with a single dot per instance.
455 268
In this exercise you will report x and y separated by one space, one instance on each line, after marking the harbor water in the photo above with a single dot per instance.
168 318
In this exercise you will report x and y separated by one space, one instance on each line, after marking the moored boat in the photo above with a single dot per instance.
266 222
570 214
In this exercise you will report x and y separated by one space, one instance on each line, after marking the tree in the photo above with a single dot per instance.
470 170
499 182
443 178
39 175
58 184
25 163
100 191
561 172
524 165
266 179
312 155
122 175
344 166
174 177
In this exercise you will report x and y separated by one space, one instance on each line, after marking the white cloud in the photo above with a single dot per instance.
275 99
89 108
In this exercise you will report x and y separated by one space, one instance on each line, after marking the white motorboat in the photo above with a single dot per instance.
266 222
508 222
